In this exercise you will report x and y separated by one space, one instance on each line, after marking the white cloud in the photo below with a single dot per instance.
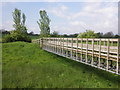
8 25
78 24
95 16
34 29
58 11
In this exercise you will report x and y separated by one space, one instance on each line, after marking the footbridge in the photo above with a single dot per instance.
97 52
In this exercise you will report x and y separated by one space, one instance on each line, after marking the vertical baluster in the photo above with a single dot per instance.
46 43
92 51
72 48
77 50
86 50
81 49
99 52
118 52
67 49
60 46
107 53
56 45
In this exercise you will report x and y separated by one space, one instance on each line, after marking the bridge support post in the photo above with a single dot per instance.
86 50
92 51
107 54
72 48
77 50
99 53
41 42
81 48
118 56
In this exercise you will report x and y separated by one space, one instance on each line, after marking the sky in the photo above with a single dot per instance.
66 17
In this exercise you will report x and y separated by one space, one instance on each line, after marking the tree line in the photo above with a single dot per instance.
20 30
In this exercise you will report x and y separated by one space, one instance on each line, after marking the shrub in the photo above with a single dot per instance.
16 36
88 34
8 38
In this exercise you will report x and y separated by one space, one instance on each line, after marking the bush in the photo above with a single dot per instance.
16 36
88 34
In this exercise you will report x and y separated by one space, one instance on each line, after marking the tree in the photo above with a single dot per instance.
117 36
20 32
24 29
88 34
108 35
19 21
99 35
55 34
43 23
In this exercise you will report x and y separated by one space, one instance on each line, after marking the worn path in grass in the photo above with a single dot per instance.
26 65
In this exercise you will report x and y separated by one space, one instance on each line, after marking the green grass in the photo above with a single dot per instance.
25 65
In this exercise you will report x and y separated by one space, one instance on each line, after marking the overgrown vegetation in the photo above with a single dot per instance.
25 65
16 36
20 32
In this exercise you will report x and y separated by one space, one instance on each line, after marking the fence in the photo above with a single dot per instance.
100 53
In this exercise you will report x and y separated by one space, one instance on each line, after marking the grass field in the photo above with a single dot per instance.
25 65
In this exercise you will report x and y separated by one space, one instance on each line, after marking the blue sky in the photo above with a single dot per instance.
66 17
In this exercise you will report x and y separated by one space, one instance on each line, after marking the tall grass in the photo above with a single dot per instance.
25 65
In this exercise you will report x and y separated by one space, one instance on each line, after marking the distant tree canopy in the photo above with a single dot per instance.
88 34
108 35
19 21
55 34
43 23
4 32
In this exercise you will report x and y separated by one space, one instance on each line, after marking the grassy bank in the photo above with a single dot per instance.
26 65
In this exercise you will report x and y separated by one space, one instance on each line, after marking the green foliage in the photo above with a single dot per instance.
55 34
16 36
88 34
25 65
108 35
20 32
43 23
19 21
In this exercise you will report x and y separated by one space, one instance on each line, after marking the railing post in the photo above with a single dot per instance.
118 56
107 54
99 52
41 42
52 45
55 45
47 43
86 50
67 49
81 49
60 46
72 48
92 51
77 49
